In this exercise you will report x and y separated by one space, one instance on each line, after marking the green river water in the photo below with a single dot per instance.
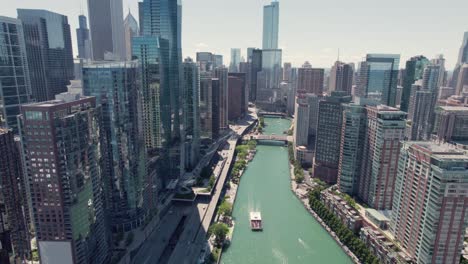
290 234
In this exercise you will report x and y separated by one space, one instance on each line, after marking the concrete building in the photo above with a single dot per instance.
244 103
328 140
301 121
430 198
236 86
451 124
49 52
385 130
287 67
382 247
107 29
378 77
310 80
114 84
221 74
341 77
14 227
61 144
15 85
270 25
83 39
349 216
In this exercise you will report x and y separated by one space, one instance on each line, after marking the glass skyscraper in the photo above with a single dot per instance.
191 120
49 52
82 37
114 84
270 25
15 87
413 72
378 78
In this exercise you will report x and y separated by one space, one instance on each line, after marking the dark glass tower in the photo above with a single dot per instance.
82 37
413 72
49 52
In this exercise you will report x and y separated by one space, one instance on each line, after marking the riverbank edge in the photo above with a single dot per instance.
319 220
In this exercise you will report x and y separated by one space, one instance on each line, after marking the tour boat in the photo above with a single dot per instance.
256 221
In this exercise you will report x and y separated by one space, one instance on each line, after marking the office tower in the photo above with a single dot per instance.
413 72
244 103
15 86
328 140
287 67
131 30
385 129
146 50
428 217
255 68
451 124
399 94
235 60
301 120
216 86
446 92
191 113
141 17
291 98
462 82
270 25
114 84
310 80
222 75
107 29
49 52
401 77
236 87
13 195
218 60
209 105
463 53
378 78
205 61
61 144
313 100
353 134
82 37
245 68
341 77
163 19
420 115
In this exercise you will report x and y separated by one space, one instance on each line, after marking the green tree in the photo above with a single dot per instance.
225 208
220 231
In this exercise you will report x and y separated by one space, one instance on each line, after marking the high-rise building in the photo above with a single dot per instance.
463 53
191 120
82 38
209 105
114 84
49 52
218 60
301 120
255 68
131 30
341 77
451 124
236 87
378 78
235 60
61 144
146 50
351 151
385 130
313 100
413 72
431 194
13 196
216 87
244 103
328 140
245 68
310 80
462 81
287 67
205 61
420 113
15 86
107 29
222 75
270 25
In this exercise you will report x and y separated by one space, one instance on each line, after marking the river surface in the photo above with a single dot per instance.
290 234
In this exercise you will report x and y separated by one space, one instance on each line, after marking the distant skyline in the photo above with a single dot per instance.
309 31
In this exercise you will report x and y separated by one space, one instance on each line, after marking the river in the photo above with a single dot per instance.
290 234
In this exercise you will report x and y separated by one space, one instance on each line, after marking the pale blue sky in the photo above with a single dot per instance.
309 29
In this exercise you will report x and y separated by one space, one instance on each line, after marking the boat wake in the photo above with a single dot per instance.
303 244
280 256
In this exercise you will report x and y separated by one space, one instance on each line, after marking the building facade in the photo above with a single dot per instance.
413 72
83 39
341 77
191 121
270 25
310 80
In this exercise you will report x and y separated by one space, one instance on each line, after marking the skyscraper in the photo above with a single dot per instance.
15 86
310 80
255 68
235 60
49 52
131 30
236 85
385 129
82 38
428 217
341 77
205 61
221 74
209 105
378 78
13 195
463 53
270 25
328 141
451 124
413 72
61 142
107 29
462 81
191 121
243 99
301 120
269 79
287 67
114 84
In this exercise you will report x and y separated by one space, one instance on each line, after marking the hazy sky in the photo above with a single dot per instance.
310 30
